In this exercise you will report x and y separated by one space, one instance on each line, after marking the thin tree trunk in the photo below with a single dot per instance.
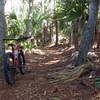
56 25
75 34
88 35
98 40
70 39
2 32
50 28
29 24
45 34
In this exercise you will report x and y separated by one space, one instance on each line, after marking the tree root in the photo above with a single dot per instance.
69 73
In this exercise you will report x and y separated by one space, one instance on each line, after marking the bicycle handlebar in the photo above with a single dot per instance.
22 38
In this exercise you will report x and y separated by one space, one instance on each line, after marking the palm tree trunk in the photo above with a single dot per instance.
88 35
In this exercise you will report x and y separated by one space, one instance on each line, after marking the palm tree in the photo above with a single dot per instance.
13 25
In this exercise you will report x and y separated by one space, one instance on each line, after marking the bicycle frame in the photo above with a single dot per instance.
16 57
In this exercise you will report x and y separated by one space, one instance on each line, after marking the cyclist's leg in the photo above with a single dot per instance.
24 62
21 66
5 69
23 57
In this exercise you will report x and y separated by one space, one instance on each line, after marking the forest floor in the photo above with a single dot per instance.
34 85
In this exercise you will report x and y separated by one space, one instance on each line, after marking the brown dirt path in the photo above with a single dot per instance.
34 85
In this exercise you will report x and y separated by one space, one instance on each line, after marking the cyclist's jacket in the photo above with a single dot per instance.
15 52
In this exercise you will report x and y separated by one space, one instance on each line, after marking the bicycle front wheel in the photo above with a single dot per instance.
9 70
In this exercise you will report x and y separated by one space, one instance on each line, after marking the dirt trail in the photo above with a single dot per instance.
34 84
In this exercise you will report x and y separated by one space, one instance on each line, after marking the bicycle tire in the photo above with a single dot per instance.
9 70
22 65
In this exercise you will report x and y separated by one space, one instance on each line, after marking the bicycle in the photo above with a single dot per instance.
14 61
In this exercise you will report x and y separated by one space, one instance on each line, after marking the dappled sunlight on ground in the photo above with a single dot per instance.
52 62
35 86
38 51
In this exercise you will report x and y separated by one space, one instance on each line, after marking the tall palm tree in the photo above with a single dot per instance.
2 30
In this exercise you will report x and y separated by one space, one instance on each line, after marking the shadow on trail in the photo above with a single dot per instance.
34 85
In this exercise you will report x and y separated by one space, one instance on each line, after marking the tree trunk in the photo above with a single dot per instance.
70 40
88 35
2 32
75 34
56 26
98 41
98 36
50 28
29 24
45 34
51 32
